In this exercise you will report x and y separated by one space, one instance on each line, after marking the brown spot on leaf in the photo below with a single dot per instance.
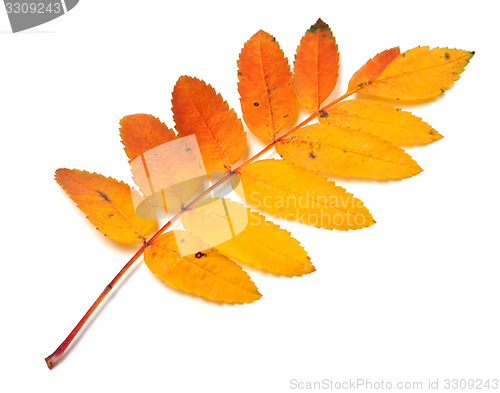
256 104
312 155
104 196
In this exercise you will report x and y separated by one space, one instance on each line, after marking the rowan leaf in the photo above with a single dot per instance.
372 68
316 66
419 74
107 204
265 85
199 110
252 239
295 193
346 152
383 120
207 273
141 132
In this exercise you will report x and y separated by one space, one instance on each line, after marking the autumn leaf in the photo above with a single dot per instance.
316 66
142 132
207 273
372 68
258 242
265 85
199 110
346 152
295 193
356 138
107 204
383 120
419 74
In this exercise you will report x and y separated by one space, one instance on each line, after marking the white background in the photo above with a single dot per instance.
414 297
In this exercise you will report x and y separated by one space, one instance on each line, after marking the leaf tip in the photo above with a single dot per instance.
319 25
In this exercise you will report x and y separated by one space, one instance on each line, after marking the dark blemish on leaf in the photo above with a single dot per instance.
284 117
323 114
256 104
361 84
398 109
104 196
447 56
312 155
200 254
441 90
431 132
110 215
397 98
273 39
239 73
403 54
345 151
473 53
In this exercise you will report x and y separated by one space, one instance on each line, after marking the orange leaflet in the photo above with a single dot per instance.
372 68
316 66
107 204
199 110
142 132
265 85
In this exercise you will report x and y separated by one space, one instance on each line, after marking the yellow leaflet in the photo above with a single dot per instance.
383 120
294 193
206 273
419 74
346 152
248 238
